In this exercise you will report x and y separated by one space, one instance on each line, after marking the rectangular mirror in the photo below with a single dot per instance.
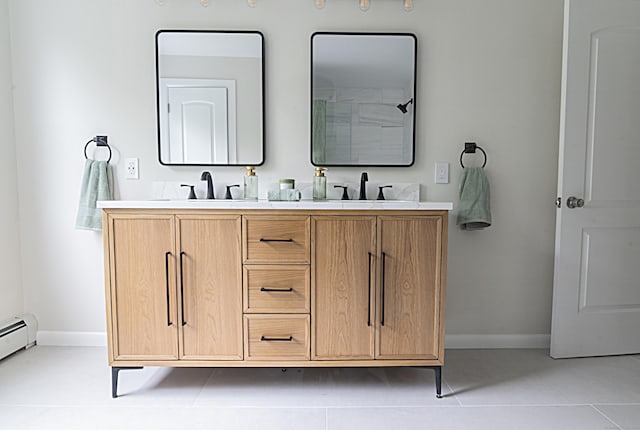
363 99
210 97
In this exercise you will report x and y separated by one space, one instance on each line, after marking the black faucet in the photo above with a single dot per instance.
206 176
228 195
363 185
192 193
345 196
380 193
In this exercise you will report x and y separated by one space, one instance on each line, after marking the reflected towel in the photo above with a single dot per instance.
474 210
97 184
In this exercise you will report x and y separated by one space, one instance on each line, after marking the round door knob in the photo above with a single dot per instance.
574 202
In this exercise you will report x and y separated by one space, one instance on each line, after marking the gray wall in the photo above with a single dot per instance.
11 296
488 71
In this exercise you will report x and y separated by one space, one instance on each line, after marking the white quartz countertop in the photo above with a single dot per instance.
264 204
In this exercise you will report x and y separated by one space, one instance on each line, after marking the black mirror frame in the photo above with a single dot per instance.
264 127
415 79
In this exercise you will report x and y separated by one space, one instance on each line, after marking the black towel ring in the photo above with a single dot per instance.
470 148
100 141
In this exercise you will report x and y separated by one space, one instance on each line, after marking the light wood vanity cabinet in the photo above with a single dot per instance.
275 288
376 287
174 287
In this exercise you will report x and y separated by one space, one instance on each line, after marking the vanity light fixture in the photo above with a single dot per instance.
319 4
408 5
204 3
403 106
364 5
252 3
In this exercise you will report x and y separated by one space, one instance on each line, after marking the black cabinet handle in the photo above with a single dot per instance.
276 339
184 323
369 294
276 290
382 316
275 240
166 277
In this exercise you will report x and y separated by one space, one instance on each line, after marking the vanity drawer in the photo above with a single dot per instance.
283 239
276 337
276 288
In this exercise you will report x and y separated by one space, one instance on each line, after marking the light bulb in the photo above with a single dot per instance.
408 5
252 3
364 5
204 3
319 4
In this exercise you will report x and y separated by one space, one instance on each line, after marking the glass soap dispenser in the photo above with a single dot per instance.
320 184
251 184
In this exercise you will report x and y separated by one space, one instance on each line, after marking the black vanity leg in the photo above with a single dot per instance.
438 372
114 378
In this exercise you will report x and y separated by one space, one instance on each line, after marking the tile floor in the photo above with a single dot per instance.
48 388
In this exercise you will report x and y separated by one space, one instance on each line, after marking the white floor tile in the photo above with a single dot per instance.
531 377
151 418
626 416
465 418
69 388
322 387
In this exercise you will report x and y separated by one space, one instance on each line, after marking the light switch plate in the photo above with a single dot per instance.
442 173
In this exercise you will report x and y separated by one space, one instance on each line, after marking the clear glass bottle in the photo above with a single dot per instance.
251 184
320 185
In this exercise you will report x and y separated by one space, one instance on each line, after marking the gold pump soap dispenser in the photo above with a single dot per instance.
320 185
251 184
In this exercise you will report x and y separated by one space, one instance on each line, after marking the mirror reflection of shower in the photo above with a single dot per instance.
403 106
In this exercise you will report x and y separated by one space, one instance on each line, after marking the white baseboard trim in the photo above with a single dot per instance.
497 341
71 338
452 341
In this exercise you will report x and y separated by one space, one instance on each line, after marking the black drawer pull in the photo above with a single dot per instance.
275 240
276 339
276 290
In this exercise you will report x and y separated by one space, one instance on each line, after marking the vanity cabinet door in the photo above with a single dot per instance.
343 287
409 292
210 286
142 300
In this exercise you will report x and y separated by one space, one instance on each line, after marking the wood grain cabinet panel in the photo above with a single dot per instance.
144 317
343 285
408 295
276 288
210 287
277 337
281 240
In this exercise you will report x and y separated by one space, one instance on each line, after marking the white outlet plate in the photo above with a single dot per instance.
442 173
131 166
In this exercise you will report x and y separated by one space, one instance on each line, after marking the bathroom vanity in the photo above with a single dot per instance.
258 284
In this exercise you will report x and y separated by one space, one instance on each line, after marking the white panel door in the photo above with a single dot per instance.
198 125
596 292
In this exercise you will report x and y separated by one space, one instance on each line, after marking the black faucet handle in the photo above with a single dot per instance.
227 195
380 193
345 195
192 192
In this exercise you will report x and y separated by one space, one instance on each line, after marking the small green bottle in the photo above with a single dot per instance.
320 185
251 184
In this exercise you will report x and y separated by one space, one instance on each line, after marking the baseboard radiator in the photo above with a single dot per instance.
17 333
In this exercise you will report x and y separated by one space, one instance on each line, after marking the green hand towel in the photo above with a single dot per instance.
474 209
97 184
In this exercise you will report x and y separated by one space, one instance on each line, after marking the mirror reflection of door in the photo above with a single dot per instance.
211 75
198 121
